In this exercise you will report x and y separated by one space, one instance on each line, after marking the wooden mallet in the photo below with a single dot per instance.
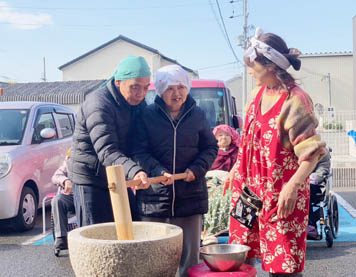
120 199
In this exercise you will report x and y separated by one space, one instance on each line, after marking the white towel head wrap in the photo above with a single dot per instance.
171 75
262 48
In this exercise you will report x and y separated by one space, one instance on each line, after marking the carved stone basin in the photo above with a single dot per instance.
95 251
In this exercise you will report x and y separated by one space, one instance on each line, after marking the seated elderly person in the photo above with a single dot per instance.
217 220
175 137
317 189
321 170
62 204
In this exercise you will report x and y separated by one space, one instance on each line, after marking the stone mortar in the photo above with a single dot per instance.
156 250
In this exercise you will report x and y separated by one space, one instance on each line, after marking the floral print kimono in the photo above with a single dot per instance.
272 145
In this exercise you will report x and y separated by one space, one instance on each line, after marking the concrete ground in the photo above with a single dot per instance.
17 259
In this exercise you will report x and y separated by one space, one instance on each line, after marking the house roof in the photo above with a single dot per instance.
326 54
121 37
70 92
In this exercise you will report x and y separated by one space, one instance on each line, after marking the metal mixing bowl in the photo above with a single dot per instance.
224 257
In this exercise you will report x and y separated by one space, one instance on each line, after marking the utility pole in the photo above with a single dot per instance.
329 83
44 70
244 46
329 86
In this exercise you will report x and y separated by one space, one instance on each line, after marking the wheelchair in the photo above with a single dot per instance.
324 211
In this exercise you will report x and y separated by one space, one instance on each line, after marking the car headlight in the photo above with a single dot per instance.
5 164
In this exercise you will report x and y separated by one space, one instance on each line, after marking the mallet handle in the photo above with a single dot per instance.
120 202
159 179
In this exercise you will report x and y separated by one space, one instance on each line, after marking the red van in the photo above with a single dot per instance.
214 98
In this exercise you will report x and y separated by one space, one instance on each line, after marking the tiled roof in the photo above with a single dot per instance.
121 37
70 92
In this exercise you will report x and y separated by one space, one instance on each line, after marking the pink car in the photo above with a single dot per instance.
34 138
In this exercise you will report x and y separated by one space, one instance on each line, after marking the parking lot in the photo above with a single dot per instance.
31 253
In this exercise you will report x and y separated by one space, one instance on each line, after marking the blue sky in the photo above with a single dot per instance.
189 31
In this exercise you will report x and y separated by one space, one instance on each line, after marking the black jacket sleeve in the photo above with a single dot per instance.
208 150
101 128
142 154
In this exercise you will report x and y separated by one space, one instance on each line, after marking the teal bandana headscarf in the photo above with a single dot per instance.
131 67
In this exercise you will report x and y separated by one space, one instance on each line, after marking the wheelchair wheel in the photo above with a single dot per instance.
329 237
333 214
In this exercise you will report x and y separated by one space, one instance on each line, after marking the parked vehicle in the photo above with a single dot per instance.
214 98
34 138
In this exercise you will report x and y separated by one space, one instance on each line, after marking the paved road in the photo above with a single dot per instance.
19 257
349 196
9 236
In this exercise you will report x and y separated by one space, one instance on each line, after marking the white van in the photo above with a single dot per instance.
34 138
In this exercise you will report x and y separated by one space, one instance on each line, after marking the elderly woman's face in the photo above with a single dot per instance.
174 97
224 139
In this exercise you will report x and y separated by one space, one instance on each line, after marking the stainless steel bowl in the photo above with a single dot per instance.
224 257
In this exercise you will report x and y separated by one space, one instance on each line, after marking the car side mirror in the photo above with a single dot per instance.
235 122
47 133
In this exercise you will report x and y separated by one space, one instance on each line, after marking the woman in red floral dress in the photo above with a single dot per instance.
279 150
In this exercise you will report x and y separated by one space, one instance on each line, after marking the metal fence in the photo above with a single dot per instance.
334 127
344 178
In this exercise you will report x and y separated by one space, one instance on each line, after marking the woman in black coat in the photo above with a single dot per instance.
175 137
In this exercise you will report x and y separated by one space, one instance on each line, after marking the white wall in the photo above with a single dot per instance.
312 78
354 58
102 63
235 86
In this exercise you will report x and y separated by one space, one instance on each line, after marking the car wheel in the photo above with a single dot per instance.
25 219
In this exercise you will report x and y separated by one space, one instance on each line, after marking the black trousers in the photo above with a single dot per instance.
93 205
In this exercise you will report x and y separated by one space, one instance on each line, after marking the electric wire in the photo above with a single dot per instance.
227 35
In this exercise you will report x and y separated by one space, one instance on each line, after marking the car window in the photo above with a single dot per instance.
211 100
12 126
72 121
65 124
45 121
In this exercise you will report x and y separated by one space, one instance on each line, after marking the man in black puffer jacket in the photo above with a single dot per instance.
103 135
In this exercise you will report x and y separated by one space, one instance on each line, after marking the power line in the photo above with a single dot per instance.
214 66
217 20
227 35
6 78
64 25
102 8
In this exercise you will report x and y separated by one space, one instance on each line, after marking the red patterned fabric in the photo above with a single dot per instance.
280 243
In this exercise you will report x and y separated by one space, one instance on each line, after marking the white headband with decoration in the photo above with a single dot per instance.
269 52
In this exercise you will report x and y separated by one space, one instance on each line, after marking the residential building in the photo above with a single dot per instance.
326 77
101 62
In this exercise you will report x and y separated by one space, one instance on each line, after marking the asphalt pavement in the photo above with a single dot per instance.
19 256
